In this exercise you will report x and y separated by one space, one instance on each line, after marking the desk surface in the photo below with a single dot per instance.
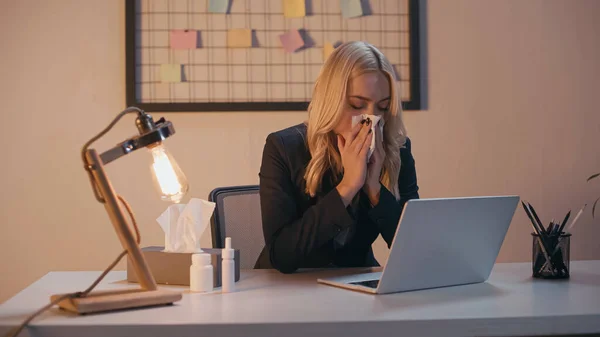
268 303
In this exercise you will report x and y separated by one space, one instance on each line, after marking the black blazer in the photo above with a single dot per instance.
305 232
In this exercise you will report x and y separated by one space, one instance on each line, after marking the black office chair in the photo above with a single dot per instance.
237 215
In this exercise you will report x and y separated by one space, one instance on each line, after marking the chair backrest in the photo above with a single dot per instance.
237 215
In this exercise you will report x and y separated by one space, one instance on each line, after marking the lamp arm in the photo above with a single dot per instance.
87 167
106 194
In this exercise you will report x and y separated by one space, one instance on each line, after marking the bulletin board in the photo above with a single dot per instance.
179 54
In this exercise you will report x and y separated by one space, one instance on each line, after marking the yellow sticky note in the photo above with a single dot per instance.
239 38
294 8
327 50
170 73
351 8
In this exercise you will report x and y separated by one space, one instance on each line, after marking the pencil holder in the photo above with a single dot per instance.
551 257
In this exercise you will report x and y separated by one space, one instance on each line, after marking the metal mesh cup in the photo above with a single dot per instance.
552 262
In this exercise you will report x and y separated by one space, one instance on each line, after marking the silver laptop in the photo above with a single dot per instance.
440 243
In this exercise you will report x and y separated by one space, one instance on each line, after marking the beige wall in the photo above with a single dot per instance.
513 87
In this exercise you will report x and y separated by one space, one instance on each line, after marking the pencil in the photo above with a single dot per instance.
576 218
562 226
540 239
536 217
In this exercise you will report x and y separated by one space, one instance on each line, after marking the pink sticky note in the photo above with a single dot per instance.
291 40
183 39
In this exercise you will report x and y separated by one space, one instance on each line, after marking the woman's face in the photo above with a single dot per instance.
369 94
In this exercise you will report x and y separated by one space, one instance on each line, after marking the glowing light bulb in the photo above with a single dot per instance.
168 178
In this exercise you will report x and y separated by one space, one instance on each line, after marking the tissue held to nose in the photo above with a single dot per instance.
168 177
376 122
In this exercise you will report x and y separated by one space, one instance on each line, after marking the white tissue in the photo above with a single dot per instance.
375 121
184 224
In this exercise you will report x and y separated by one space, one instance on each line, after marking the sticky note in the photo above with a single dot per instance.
170 73
327 50
294 8
183 39
291 40
218 6
351 8
239 38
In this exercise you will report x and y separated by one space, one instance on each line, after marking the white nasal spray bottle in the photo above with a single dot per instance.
228 268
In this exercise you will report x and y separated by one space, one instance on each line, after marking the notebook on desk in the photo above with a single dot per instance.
439 242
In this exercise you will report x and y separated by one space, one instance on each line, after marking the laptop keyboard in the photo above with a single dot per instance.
370 283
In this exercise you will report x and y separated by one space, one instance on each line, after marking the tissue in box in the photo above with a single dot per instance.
174 268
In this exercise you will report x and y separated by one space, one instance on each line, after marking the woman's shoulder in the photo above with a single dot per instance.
292 138
288 146
292 133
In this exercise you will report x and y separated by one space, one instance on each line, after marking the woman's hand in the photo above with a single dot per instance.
372 185
354 147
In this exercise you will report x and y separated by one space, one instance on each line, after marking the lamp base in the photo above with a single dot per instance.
108 300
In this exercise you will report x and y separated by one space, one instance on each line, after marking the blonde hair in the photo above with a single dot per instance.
348 61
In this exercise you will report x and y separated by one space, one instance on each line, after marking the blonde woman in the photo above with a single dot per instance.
324 201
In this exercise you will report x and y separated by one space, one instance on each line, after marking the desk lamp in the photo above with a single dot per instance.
167 178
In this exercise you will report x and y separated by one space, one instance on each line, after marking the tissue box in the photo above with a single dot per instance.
174 268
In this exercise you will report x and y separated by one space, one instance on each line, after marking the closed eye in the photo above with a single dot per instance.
384 104
356 103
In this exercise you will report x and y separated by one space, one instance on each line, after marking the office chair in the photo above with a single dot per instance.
237 215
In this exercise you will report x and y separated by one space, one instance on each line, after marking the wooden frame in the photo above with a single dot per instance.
130 75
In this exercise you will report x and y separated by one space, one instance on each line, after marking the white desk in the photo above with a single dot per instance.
268 303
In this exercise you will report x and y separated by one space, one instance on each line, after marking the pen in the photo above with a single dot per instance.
537 225
550 227
536 217
536 230
562 226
